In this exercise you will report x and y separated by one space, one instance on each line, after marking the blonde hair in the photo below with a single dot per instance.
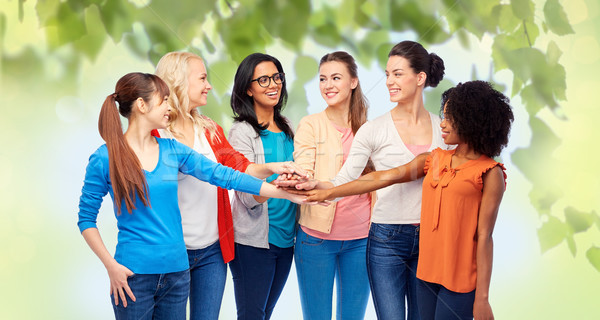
173 69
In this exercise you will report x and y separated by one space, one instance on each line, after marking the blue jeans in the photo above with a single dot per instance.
439 303
392 252
259 276
157 296
318 262
208 274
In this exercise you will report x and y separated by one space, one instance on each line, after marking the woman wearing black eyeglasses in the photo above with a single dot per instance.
264 228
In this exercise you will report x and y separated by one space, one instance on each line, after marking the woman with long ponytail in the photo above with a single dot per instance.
149 276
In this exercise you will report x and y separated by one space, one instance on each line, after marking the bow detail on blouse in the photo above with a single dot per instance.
445 176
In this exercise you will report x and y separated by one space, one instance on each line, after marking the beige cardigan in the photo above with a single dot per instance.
318 149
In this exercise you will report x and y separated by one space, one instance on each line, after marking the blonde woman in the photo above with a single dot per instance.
205 209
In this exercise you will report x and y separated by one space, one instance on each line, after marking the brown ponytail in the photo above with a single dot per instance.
126 174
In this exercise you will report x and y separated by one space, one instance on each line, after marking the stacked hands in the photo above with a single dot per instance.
298 182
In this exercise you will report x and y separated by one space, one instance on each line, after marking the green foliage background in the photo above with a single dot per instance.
59 59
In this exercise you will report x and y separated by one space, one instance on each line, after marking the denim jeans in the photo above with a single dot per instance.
318 262
392 252
259 276
157 296
439 303
208 274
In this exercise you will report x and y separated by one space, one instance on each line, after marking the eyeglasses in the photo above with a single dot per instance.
265 81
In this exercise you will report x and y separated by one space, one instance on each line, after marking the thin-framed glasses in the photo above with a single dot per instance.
265 81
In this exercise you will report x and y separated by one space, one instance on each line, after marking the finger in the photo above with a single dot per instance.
123 299
115 295
129 292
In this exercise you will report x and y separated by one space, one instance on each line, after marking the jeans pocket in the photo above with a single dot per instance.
311 241
381 232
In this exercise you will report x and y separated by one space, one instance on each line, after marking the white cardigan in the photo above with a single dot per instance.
379 140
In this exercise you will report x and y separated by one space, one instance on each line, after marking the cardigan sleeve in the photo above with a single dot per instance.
242 141
359 155
305 149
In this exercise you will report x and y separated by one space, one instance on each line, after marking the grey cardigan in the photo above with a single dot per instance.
250 218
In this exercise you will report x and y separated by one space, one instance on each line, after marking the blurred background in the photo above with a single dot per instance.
59 60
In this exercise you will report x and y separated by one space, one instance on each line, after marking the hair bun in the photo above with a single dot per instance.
436 70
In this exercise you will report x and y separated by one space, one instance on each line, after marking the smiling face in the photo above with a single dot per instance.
198 85
335 83
402 81
265 97
449 134
157 111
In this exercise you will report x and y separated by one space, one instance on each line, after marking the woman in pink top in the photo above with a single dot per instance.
331 241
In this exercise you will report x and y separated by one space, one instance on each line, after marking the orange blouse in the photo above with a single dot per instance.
449 215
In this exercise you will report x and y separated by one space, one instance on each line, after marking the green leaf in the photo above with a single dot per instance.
523 9
571 244
67 26
118 17
367 47
221 75
2 28
327 35
208 44
539 154
553 53
593 255
556 19
577 220
551 233
138 41
382 54
46 10
298 12
503 15
517 85
93 41
306 68
433 96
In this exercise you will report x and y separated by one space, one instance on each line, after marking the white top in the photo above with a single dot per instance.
197 200
378 139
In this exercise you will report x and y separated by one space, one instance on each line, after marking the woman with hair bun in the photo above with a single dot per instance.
149 274
390 140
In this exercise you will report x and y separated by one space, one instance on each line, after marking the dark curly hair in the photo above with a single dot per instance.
481 116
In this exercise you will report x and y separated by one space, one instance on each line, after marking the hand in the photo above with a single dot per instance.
307 185
482 309
118 275
289 180
320 196
288 168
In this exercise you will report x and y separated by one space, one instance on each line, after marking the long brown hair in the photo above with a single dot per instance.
126 174
357 114
359 105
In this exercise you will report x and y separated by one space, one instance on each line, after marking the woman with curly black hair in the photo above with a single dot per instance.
462 191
